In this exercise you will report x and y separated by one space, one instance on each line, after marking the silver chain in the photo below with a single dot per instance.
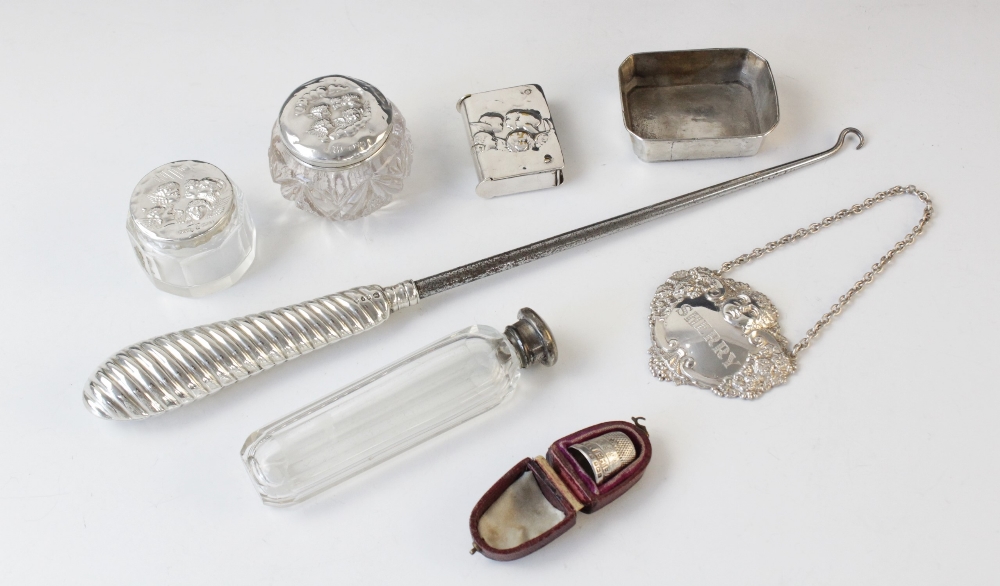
868 277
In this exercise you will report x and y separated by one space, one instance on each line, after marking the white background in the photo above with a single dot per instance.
876 464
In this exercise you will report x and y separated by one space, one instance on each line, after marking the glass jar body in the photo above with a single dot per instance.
199 267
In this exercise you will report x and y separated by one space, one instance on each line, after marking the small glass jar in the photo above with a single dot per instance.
190 228
339 148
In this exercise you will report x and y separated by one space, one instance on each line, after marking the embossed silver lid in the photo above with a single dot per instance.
182 203
335 121
190 228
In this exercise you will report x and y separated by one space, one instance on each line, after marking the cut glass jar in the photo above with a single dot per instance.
339 148
190 228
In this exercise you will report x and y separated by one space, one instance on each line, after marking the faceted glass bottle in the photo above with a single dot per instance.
394 409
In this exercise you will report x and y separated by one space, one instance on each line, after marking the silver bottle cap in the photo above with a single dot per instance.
335 121
532 340
605 455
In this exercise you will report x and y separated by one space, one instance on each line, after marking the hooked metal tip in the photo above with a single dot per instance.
855 132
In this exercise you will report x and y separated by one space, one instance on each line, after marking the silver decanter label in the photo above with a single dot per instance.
513 140
716 333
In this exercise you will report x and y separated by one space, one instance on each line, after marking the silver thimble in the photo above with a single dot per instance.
605 455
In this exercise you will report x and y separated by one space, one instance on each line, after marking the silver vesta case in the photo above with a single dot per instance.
513 140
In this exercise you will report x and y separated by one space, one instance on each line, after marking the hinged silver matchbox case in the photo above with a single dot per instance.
513 140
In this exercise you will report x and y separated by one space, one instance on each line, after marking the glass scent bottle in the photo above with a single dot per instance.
339 148
392 410
190 228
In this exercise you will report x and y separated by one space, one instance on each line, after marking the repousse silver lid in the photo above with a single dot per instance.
335 121
182 203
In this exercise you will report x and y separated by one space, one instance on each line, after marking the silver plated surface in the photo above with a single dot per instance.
532 339
163 373
335 121
606 454
183 202
700 104
716 333
513 140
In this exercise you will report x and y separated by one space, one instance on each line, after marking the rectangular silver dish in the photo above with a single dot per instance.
699 104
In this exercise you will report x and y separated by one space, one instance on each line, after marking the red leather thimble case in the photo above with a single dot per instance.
537 500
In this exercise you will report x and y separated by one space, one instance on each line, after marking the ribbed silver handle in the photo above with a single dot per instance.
163 373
